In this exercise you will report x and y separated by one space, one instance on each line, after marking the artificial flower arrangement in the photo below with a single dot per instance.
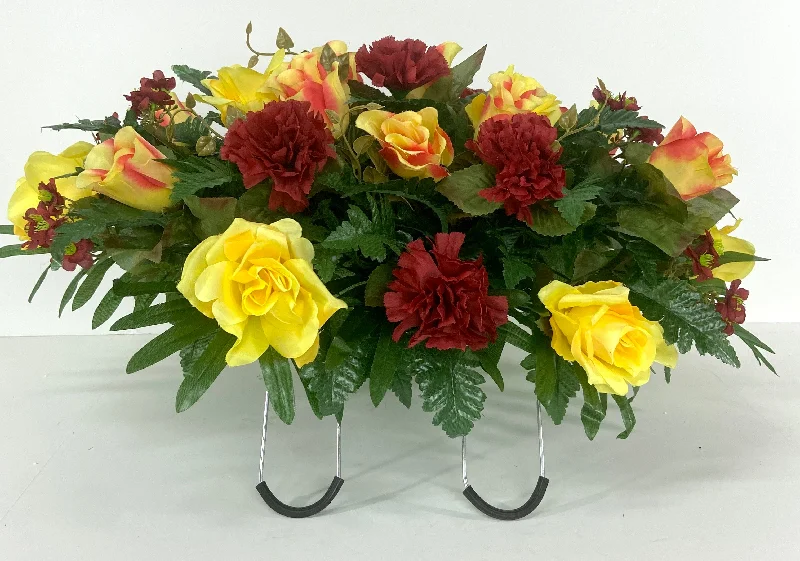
372 217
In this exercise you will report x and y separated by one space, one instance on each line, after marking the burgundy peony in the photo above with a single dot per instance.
79 253
704 257
153 91
731 307
286 142
521 149
401 65
444 297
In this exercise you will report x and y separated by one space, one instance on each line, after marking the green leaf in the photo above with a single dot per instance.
215 214
517 336
371 237
70 291
756 345
555 382
193 174
171 311
628 418
490 357
461 75
401 386
277 373
637 152
109 125
594 407
38 284
667 373
204 371
377 283
450 389
514 270
191 353
7 230
463 187
573 205
170 342
685 317
659 192
548 221
106 308
16 250
612 121
736 257
193 76
123 287
384 365
93 279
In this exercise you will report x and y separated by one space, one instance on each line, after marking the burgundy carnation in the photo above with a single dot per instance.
401 65
79 253
153 91
731 307
443 296
704 257
285 142
521 149
646 136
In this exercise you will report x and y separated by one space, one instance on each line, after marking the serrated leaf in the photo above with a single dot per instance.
192 353
277 374
204 371
612 121
462 187
171 311
192 76
448 88
193 174
384 365
401 386
628 418
514 270
450 389
637 152
109 125
124 287
548 221
515 335
205 146
569 119
88 287
489 358
573 205
377 283
371 237
170 342
555 382
594 407
685 317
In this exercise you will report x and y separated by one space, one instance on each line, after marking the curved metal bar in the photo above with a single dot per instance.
294 511
510 514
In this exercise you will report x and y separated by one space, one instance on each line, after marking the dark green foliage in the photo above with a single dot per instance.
204 371
109 125
756 345
93 279
384 365
193 174
171 341
277 374
370 236
628 418
72 287
193 76
555 382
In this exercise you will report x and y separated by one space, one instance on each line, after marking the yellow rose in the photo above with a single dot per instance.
257 281
242 88
510 94
412 142
595 325
41 167
732 271
126 169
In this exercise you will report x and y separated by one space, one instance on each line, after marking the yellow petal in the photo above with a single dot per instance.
371 121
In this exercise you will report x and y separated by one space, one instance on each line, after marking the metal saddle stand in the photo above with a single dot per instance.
305 511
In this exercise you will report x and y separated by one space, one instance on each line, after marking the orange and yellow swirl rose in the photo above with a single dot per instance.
512 93
257 281
693 162
412 142
596 325
126 168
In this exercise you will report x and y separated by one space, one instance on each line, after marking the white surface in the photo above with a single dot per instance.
95 465
728 66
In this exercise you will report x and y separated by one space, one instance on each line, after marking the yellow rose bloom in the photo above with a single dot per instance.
596 325
512 93
257 281
732 271
242 88
41 167
412 142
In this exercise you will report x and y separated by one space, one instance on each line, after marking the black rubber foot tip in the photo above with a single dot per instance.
515 514
300 511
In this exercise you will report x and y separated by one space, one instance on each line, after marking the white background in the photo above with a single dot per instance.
729 66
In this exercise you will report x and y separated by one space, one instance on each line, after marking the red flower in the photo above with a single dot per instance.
521 148
49 195
647 136
40 226
731 307
443 296
285 142
78 254
704 257
153 91
401 65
